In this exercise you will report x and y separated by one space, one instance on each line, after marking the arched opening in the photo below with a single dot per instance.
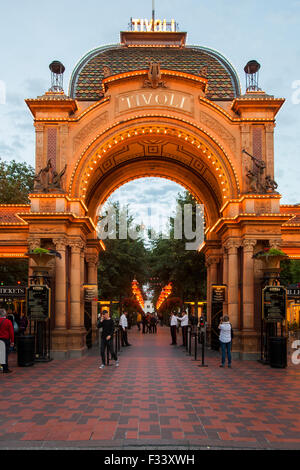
151 254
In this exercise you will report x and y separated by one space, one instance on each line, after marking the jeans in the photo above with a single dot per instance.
107 344
226 347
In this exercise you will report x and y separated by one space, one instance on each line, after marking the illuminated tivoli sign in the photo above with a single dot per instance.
140 24
173 99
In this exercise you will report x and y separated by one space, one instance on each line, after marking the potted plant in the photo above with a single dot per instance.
271 257
42 256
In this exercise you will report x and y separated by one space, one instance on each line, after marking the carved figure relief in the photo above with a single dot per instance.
48 180
154 76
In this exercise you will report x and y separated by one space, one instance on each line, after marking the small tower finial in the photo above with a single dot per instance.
57 72
251 70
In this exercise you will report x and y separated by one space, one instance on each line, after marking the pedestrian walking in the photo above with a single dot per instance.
225 340
144 322
173 328
153 322
184 321
6 337
107 325
124 327
139 321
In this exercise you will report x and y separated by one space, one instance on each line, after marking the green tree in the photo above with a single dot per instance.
290 272
123 260
169 261
16 182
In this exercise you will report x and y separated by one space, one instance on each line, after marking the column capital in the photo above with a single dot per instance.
76 245
210 260
93 259
249 244
275 243
34 243
60 243
232 245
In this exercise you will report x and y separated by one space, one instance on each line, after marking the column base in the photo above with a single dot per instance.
246 345
67 344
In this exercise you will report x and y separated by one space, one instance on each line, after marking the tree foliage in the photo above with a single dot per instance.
16 182
169 261
123 260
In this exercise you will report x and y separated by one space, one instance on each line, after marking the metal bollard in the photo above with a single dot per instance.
203 331
196 343
190 342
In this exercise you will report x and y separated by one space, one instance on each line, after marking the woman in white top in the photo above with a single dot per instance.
225 340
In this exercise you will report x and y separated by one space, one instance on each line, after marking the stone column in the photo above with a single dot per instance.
82 277
248 284
92 261
212 278
225 279
233 282
75 276
32 244
60 284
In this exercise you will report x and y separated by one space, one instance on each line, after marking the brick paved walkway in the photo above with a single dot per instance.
157 397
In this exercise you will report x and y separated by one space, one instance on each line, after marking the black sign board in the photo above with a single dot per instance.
218 293
38 302
293 293
13 292
90 292
274 303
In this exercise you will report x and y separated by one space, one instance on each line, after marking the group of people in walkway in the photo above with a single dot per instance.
148 321
184 322
225 336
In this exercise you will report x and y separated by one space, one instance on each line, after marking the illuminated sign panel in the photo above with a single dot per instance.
144 25
173 99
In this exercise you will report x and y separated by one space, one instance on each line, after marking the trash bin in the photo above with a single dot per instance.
278 351
25 350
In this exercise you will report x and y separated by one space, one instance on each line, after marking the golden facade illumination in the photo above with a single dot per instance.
175 122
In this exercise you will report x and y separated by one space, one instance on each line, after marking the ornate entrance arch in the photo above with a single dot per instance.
155 149
182 118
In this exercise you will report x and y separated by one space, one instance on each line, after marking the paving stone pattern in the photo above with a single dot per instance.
158 396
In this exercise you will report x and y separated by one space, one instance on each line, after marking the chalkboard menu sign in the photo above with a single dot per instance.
38 302
274 303
90 292
218 293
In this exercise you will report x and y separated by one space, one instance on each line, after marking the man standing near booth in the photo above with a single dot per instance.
107 325
124 326
173 327
7 337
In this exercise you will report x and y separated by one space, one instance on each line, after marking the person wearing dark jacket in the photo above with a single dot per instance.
107 325
7 337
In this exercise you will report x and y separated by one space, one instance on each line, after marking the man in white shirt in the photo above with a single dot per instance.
184 321
123 324
173 327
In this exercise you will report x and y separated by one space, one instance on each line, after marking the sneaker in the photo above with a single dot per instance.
229 365
222 365
102 366
7 371
117 364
